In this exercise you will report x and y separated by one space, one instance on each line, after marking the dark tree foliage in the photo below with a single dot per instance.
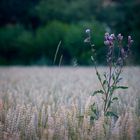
17 11
30 30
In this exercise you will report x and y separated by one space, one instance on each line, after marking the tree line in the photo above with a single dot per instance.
30 30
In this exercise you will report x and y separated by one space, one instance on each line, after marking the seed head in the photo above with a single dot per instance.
130 41
106 34
87 31
120 37
109 39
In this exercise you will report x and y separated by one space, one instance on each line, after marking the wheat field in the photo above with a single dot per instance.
40 103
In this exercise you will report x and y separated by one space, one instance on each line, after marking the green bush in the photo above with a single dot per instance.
28 50
74 41
48 37
9 47
21 46
16 45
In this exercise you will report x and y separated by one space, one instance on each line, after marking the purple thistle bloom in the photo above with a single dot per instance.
106 36
130 41
129 37
120 37
109 39
112 36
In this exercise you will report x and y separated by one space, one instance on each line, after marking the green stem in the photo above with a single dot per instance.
113 85
100 80
107 93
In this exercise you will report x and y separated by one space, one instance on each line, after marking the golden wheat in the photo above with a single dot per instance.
54 104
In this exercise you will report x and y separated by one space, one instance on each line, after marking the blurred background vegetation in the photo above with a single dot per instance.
30 30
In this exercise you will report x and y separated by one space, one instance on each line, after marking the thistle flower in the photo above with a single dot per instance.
112 36
106 35
109 39
120 37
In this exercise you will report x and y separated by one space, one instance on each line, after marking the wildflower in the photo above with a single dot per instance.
106 36
112 36
109 39
120 37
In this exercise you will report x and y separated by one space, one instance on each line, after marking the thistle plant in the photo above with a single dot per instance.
110 81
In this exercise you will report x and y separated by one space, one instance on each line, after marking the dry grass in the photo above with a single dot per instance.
53 104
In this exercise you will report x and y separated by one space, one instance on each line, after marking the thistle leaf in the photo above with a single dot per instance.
98 75
111 114
121 87
115 98
104 82
97 91
119 80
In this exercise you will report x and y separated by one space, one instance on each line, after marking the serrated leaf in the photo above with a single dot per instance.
97 91
104 82
113 78
115 98
92 58
87 40
122 87
98 75
93 108
93 114
105 75
94 111
119 80
111 114
92 118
